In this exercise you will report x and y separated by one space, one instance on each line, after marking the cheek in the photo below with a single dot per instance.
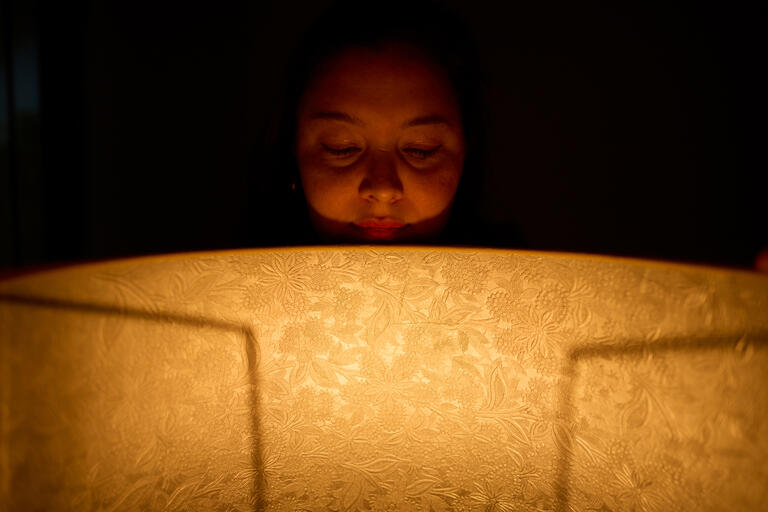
433 194
328 193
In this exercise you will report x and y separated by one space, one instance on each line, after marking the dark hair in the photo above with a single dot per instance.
422 24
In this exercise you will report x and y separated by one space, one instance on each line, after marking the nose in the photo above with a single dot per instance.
381 181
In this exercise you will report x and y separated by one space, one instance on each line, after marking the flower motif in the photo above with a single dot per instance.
347 305
464 274
638 489
553 299
388 387
539 332
540 394
507 343
391 416
549 366
315 406
254 299
493 498
463 388
320 278
284 277
380 267
502 305
297 306
304 340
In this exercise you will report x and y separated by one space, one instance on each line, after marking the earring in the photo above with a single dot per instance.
293 186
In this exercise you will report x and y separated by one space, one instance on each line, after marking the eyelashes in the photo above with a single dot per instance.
413 152
342 152
420 153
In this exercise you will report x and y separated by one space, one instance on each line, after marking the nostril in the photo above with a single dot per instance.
381 184
387 194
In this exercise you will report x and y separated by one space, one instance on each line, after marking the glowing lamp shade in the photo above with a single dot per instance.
384 378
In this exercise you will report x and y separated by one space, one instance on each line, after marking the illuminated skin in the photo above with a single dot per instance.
379 146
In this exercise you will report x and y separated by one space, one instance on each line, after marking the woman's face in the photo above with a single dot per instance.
379 146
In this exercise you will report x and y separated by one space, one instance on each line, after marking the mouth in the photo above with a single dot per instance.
375 229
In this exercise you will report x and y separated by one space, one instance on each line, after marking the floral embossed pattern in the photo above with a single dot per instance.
381 379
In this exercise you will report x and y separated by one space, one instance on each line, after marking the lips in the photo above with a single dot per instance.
378 224
379 229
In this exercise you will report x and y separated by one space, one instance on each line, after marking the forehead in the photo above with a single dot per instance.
394 81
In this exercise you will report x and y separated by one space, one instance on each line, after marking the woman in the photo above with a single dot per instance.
379 137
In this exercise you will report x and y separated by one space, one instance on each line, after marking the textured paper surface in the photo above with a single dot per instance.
376 378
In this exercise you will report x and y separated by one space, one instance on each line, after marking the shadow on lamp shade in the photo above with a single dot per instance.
384 378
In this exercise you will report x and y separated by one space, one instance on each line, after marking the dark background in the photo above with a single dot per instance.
621 128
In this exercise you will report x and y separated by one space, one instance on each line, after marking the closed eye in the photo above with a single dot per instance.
420 153
342 151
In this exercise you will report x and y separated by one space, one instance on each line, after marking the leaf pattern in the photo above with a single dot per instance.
382 379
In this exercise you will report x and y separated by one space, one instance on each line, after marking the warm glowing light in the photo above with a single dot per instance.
384 378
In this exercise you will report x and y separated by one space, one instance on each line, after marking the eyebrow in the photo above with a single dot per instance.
433 119
337 116
346 118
